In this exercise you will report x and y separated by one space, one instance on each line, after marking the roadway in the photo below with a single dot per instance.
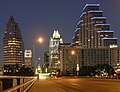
76 85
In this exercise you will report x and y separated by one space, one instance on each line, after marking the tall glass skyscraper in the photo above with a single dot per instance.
93 31
55 39
93 43
12 45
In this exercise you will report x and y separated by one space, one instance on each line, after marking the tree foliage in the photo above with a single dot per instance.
100 69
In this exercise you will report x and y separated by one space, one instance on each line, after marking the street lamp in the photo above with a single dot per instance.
73 52
77 62
36 66
39 40
37 62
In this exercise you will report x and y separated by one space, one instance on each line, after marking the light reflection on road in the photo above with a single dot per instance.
77 85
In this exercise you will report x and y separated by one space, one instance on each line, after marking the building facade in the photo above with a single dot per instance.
28 58
46 59
63 50
55 39
93 30
114 57
93 43
13 46
87 57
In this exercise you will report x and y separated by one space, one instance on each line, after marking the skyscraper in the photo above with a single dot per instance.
12 45
28 58
93 31
93 43
55 39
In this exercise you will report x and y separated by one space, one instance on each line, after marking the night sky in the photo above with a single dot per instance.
40 17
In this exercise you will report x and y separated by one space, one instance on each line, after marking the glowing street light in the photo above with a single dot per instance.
73 52
40 40
77 66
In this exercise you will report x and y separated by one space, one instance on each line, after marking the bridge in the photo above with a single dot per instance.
16 83
62 84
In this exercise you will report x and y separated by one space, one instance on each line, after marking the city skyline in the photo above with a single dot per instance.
53 17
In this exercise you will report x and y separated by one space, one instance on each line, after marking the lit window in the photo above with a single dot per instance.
101 35
92 37
106 35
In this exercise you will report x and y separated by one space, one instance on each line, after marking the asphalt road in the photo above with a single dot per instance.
76 85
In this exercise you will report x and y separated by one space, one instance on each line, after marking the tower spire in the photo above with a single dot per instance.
11 20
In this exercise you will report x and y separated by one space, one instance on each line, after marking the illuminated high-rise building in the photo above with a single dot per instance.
93 30
28 58
55 39
12 45
93 43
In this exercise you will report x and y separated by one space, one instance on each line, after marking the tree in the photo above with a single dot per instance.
100 70
103 69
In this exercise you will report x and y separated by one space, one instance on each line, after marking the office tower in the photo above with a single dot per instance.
13 46
28 58
93 30
93 43
55 39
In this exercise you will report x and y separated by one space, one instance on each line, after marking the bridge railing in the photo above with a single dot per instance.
18 83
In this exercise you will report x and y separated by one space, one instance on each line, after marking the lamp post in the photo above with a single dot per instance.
36 66
77 62
39 40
